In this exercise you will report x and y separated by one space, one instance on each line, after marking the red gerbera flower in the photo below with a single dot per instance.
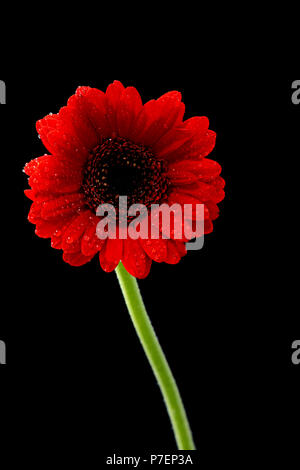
103 145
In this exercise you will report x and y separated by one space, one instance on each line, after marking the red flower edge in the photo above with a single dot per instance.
65 187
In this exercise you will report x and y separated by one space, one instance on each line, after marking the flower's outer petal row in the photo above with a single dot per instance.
168 251
198 125
173 255
57 216
68 204
58 236
33 166
157 118
53 217
60 140
129 108
30 194
49 161
182 198
172 141
89 116
200 143
212 209
113 95
119 112
77 119
207 189
181 248
48 174
54 185
73 235
90 243
111 254
204 191
54 228
94 103
76 259
155 249
47 229
180 176
113 113
204 170
35 211
135 259
46 125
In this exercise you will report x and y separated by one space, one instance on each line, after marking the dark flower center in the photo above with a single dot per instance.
118 167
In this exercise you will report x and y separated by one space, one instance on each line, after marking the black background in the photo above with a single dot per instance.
226 316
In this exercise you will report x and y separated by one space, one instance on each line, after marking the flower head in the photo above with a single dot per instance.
106 145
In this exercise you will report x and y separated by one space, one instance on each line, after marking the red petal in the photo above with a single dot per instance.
135 260
198 124
203 191
74 233
76 259
200 144
53 175
180 176
127 112
183 198
74 114
114 92
212 209
208 226
219 182
54 186
173 256
46 125
34 165
111 254
59 138
57 236
159 117
35 212
46 229
172 141
94 102
67 147
30 194
90 243
180 247
205 169
155 249
62 206
176 197
113 95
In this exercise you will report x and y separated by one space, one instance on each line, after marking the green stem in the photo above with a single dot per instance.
156 358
